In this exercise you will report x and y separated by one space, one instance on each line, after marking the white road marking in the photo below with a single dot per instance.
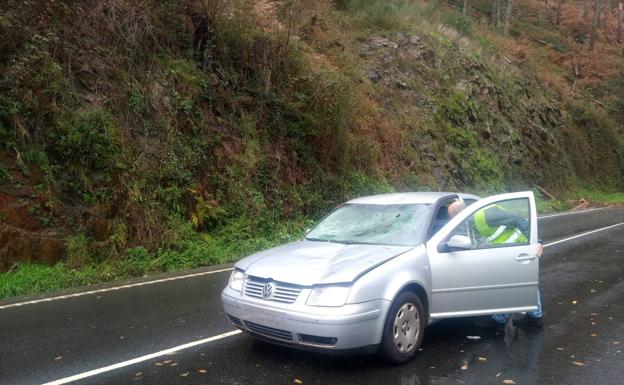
80 294
569 213
133 361
231 333
583 234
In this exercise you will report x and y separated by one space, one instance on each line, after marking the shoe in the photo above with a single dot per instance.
530 321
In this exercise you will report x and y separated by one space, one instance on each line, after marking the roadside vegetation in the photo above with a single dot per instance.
150 136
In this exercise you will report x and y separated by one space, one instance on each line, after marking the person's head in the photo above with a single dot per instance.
455 208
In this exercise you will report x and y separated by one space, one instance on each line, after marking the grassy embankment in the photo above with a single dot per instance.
184 149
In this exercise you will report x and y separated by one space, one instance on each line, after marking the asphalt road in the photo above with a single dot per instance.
582 283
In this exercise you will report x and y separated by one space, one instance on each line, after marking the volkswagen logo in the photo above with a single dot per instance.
267 290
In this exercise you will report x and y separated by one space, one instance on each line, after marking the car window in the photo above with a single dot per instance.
505 223
402 224
441 217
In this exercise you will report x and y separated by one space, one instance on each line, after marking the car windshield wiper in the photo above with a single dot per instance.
346 242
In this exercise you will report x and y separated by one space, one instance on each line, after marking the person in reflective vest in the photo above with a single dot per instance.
496 225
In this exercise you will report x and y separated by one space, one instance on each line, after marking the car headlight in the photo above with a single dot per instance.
237 279
328 296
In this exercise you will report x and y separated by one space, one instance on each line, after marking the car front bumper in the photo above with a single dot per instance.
347 327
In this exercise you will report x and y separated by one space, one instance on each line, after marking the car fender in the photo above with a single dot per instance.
387 280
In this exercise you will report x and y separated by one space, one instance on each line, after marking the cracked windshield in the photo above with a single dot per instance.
377 224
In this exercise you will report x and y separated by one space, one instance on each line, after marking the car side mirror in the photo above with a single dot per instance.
459 242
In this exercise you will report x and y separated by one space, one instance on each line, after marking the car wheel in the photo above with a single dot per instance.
404 328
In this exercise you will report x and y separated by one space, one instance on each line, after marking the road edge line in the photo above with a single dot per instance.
582 234
113 288
569 213
136 360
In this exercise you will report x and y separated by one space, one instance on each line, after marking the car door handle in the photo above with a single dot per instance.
525 257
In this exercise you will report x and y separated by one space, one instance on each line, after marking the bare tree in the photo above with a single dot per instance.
592 40
465 8
604 14
619 22
586 9
495 5
508 16
558 13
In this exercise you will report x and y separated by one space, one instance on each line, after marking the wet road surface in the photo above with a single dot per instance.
582 284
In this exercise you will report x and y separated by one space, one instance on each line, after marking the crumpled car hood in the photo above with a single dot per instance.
310 263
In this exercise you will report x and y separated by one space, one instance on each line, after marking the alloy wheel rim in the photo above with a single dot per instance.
406 328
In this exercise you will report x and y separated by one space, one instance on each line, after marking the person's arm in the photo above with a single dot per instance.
496 217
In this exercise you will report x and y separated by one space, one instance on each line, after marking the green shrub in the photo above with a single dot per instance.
460 22
89 141
4 174
77 250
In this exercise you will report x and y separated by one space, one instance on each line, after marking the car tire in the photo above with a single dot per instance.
404 328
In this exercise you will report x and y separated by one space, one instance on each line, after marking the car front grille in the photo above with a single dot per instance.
282 292
270 332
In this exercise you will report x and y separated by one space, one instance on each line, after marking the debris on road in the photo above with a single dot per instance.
474 338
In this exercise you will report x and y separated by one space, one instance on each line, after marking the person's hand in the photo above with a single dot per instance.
540 249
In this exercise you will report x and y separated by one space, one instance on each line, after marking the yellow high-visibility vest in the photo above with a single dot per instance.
500 234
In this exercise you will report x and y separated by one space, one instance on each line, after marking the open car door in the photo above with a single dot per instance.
483 261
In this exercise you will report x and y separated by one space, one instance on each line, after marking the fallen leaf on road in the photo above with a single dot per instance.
174 364
560 349
499 374
464 366
202 371
137 374
474 338
166 362
184 374
578 363
593 335
574 302
616 342
298 381
509 382
58 358
482 359
159 364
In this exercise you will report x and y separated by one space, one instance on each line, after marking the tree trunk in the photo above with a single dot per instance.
605 12
499 5
619 21
585 9
592 39
493 16
508 16
465 8
558 14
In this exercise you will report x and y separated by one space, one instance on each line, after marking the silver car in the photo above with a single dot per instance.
377 270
